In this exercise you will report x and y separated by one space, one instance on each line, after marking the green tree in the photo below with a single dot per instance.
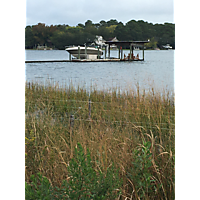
134 31
60 39
112 22
39 33
29 38
103 23
88 23
152 44
119 31
63 35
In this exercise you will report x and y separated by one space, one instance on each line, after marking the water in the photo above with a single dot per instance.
157 70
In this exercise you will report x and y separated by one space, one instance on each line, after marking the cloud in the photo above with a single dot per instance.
74 12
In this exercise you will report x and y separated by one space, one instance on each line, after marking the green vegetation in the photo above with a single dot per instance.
125 150
59 36
83 182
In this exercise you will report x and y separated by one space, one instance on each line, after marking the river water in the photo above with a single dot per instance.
157 70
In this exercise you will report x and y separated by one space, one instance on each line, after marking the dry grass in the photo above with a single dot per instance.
119 123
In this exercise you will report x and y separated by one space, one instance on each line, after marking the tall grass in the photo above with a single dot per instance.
120 126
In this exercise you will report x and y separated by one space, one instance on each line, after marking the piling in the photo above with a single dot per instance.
78 52
121 53
130 50
105 51
109 51
98 52
143 52
70 56
85 51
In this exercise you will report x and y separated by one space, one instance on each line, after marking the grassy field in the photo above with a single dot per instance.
132 131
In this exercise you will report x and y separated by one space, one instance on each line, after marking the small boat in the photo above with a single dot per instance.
85 52
167 46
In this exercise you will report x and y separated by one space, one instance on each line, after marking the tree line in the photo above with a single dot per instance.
59 36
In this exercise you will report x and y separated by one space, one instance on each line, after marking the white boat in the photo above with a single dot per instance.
85 52
167 46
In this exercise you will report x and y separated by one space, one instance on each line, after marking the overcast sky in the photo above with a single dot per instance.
73 12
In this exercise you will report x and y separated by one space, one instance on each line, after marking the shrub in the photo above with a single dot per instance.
141 174
87 183
84 182
39 188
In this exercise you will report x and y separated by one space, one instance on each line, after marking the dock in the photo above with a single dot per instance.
121 57
81 60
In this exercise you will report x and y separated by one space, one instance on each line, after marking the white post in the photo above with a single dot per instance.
105 51
98 53
85 51
78 52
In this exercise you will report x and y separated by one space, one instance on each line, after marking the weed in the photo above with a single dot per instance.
116 134
87 183
83 182
39 188
141 171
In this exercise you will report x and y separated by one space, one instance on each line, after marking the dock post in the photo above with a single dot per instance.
70 56
98 53
119 52
130 51
85 51
143 51
109 51
105 51
78 52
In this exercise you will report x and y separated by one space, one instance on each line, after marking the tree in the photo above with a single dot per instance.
119 31
40 33
29 38
103 23
88 23
152 44
81 25
63 35
134 31
110 31
112 22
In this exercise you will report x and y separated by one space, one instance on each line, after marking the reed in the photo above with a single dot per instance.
120 124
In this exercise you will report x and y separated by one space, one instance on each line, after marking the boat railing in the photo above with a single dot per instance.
94 46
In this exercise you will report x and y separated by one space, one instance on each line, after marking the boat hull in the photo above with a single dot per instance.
90 52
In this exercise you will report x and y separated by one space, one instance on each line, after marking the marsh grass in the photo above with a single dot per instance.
120 124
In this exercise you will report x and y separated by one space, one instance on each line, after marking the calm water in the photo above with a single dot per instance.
157 70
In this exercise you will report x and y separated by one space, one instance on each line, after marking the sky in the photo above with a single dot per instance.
74 12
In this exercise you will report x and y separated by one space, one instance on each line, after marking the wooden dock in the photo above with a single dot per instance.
121 57
83 60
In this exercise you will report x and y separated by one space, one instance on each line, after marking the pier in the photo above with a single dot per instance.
81 60
131 44
121 57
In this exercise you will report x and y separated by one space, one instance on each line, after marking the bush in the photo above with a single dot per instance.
141 175
39 188
119 124
84 182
